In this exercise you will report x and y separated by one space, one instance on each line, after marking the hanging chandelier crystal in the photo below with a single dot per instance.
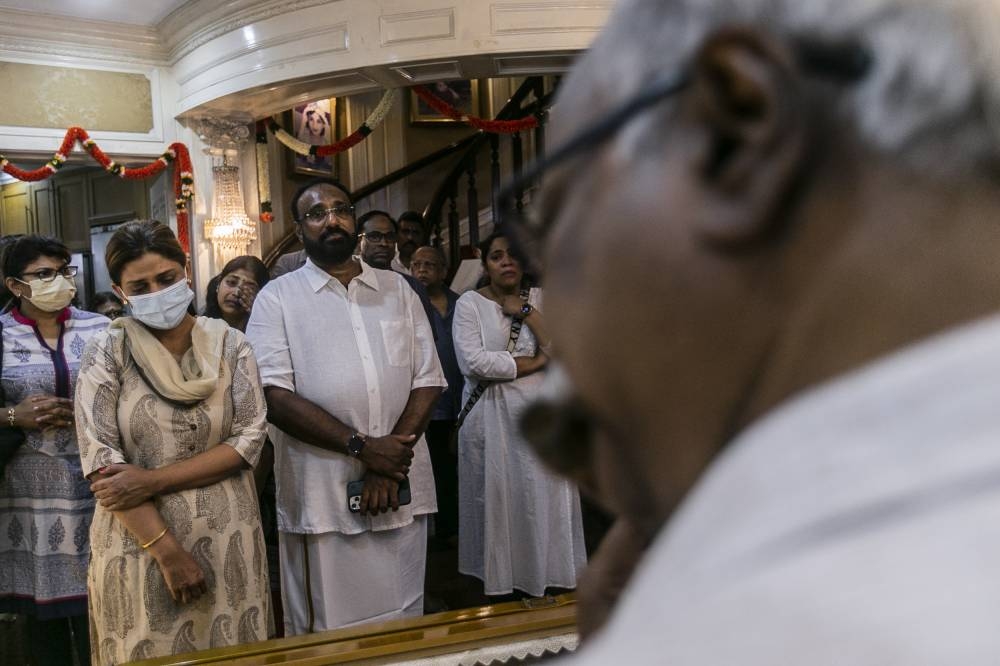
230 230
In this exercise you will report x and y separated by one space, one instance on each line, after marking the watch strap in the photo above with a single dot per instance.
356 444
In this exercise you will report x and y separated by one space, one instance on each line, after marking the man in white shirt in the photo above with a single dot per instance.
794 370
351 377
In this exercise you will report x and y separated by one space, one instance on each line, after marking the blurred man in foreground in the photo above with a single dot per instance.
797 362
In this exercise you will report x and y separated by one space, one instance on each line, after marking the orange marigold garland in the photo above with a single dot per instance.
183 172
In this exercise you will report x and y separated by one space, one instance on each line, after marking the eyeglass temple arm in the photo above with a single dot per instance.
841 62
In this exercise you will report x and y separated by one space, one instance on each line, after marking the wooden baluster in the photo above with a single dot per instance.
517 151
495 177
435 227
540 142
454 237
472 196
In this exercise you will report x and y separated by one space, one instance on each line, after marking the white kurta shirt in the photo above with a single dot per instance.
856 524
520 526
356 353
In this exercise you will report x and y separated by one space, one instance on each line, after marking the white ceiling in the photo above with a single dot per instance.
136 12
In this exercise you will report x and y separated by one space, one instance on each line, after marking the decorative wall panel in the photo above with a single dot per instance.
534 17
417 26
58 97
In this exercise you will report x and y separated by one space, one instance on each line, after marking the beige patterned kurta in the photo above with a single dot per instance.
120 419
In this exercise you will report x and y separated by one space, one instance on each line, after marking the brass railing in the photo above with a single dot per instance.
549 621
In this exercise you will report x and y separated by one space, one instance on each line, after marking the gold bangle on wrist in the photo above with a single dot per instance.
11 419
155 539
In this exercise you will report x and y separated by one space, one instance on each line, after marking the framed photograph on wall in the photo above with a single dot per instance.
315 123
463 95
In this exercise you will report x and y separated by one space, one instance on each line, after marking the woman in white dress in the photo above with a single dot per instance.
519 524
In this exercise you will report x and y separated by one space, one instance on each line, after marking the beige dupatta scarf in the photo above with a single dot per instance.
191 380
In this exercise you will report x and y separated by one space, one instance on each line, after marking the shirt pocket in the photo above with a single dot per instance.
396 340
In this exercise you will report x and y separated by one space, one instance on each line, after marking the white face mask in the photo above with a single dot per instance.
164 309
51 296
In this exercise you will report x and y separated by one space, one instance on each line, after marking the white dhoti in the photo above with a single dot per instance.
334 580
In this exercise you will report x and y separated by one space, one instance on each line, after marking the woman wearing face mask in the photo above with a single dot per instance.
45 504
170 415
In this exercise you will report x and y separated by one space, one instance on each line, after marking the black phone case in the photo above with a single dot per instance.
354 494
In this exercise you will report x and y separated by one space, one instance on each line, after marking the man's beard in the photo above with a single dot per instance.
331 248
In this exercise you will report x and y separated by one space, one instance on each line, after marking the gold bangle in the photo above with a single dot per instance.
155 539
11 419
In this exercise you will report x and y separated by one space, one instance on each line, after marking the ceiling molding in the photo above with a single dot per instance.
200 21
191 25
74 38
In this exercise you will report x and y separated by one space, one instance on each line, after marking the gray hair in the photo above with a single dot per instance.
929 96
438 252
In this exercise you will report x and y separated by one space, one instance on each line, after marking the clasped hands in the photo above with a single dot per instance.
123 486
388 459
42 411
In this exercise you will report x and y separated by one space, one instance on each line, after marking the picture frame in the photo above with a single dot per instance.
463 95
314 123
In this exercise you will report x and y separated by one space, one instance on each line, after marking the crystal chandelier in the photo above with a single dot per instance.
229 230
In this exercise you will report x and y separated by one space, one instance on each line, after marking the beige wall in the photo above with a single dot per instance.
60 97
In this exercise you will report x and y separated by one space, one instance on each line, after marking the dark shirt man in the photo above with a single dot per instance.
412 234
430 268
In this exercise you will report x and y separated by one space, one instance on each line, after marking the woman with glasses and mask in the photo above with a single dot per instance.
519 525
170 416
45 503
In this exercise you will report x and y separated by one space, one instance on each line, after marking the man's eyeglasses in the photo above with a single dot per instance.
318 216
561 432
50 274
379 237
838 62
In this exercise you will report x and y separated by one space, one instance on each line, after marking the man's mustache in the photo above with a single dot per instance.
334 232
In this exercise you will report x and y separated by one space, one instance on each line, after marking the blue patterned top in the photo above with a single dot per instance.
45 502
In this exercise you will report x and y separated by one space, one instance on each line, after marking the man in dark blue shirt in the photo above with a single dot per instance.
430 268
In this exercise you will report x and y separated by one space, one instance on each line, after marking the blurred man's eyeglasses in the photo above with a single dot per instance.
562 431
319 215
378 237
50 274
838 62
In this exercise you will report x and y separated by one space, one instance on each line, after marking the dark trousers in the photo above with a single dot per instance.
445 464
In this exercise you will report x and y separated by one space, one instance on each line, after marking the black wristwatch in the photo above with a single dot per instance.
356 444
526 310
